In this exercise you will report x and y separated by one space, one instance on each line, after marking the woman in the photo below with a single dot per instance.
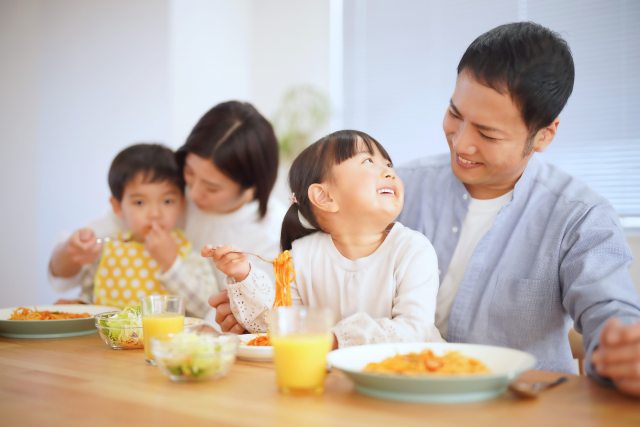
230 163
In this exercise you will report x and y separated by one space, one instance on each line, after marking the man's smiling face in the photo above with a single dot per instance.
487 138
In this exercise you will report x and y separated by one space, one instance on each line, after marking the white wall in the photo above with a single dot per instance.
210 58
18 144
296 50
290 46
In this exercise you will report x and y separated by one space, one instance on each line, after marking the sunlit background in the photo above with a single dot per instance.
80 80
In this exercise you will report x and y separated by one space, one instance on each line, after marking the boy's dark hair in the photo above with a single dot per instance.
155 161
241 143
529 62
313 166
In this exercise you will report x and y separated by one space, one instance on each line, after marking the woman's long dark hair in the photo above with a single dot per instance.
241 143
313 166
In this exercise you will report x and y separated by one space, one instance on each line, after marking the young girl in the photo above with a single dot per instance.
379 277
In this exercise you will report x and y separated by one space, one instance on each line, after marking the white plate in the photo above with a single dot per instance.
193 324
255 353
505 365
52 328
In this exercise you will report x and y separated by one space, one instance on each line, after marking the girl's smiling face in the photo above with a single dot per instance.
366 189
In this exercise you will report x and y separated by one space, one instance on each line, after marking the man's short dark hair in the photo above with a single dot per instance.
155 161
529 62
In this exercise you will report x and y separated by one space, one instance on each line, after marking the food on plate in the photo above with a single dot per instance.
192 321
426 362
122 329
262 340
285 274
23 313
193 355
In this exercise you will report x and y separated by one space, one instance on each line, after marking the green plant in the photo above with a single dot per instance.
303 111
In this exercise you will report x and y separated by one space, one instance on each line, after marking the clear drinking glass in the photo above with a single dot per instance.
301 338
161 314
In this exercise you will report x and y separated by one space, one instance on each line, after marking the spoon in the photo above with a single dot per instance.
529 390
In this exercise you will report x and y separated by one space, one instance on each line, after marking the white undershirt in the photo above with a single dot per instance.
479 219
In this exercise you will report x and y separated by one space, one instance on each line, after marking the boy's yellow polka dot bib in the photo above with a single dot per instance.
127 272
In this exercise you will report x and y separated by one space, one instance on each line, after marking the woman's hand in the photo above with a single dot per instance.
161 246
232 264
618 356
224 317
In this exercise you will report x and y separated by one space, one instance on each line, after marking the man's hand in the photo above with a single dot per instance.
618 356
230 263
161 246
224 317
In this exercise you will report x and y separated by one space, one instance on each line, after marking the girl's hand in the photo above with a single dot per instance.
232 264
161 246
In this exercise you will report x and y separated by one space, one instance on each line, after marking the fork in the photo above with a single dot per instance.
248 253
107 239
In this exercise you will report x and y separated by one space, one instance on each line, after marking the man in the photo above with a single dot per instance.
524 250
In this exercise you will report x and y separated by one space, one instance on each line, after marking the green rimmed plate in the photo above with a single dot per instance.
52 328
505 365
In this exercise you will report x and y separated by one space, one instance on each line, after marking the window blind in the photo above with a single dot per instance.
399 71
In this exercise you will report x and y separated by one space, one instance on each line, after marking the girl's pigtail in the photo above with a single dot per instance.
292 228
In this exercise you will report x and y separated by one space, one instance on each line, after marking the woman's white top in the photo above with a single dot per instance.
389 296
242 228
477 222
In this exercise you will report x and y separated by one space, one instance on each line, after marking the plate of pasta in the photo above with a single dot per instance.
255 347
431 372
50 321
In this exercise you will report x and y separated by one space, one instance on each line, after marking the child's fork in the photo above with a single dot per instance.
248 253
106 239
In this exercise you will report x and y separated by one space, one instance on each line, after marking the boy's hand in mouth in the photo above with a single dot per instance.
161 246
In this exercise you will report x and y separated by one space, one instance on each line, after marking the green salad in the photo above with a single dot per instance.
195 356
124 328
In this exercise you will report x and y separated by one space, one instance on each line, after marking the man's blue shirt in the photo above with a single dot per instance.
555 256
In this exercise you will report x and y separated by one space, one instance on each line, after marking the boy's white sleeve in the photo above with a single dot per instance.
251 299
191 277
84 279
413 312
107 225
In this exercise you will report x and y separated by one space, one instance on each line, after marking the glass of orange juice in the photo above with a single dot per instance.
301 338
161 314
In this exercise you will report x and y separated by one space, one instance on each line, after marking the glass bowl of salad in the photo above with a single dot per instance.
121 330
194 356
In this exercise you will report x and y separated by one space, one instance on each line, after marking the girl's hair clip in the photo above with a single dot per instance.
292 199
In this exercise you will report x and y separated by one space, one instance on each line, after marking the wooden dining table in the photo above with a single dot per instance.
80 381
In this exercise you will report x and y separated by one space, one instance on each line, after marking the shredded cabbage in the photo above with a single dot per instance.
124 328
193 355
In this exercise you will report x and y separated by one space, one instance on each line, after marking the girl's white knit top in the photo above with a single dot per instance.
388 296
